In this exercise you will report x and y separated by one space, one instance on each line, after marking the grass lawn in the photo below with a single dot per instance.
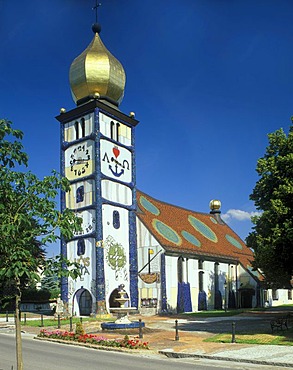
279 337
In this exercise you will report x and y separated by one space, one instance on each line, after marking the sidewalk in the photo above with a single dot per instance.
191 344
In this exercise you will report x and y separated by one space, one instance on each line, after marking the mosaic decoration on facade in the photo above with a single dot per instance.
233 241
115 257
202 228
190 238
150 207
166 232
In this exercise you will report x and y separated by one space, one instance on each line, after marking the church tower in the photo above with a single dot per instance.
98 158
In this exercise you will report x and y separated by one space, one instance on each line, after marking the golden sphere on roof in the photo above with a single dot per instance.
215 205
96 71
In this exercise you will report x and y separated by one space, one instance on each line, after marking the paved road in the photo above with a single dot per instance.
40 355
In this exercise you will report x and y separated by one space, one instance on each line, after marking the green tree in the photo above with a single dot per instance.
272 235
28 220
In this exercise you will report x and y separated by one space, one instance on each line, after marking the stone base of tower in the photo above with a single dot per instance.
101 308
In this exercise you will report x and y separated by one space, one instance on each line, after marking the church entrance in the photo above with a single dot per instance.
85 303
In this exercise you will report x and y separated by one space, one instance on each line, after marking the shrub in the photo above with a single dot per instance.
79 330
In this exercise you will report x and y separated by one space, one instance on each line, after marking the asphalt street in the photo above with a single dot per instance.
39 355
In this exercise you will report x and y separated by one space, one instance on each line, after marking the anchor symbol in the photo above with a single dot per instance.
115 173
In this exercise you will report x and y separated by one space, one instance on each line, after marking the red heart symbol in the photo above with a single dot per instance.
116 151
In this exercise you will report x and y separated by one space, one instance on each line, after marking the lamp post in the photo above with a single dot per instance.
225 300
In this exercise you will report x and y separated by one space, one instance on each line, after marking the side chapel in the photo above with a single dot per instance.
168 258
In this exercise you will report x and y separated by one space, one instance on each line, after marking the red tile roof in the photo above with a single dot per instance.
202 235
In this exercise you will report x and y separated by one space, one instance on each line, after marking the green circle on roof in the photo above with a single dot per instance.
233 241
213 220
191 238
203 229
150 207
166 232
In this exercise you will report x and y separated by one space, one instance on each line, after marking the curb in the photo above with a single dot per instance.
172 354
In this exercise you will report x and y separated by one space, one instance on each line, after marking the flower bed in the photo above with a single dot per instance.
126 342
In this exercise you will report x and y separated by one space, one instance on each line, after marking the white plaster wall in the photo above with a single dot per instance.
171 283
115 275
282 295
116 192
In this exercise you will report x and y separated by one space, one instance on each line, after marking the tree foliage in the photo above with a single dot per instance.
29 219
272 235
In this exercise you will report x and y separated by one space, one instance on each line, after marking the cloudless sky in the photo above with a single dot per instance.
207 79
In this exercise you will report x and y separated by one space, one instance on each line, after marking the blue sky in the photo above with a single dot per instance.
207 79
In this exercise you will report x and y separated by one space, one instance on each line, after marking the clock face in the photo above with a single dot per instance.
79 160
116 161
88 222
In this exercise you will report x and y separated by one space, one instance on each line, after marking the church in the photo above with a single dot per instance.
168 258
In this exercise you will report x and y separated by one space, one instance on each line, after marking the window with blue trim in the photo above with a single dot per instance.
80 247
76 127
80 194
82 121
116 219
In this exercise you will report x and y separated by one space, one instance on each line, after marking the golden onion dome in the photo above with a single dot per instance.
96 72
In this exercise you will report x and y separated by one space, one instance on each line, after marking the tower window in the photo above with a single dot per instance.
76 127
82 121
112 130
80 194
80 247
116 219
117 131
200 264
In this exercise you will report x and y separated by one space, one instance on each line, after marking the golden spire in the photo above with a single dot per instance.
97 73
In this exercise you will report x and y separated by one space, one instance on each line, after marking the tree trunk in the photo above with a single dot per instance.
18 329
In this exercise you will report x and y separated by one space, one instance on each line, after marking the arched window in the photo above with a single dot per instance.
117 131
80 194
116 219
82 121
112 130
76 127
80 247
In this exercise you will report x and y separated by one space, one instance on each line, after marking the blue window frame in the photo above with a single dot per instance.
80 247
80 194
116 219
